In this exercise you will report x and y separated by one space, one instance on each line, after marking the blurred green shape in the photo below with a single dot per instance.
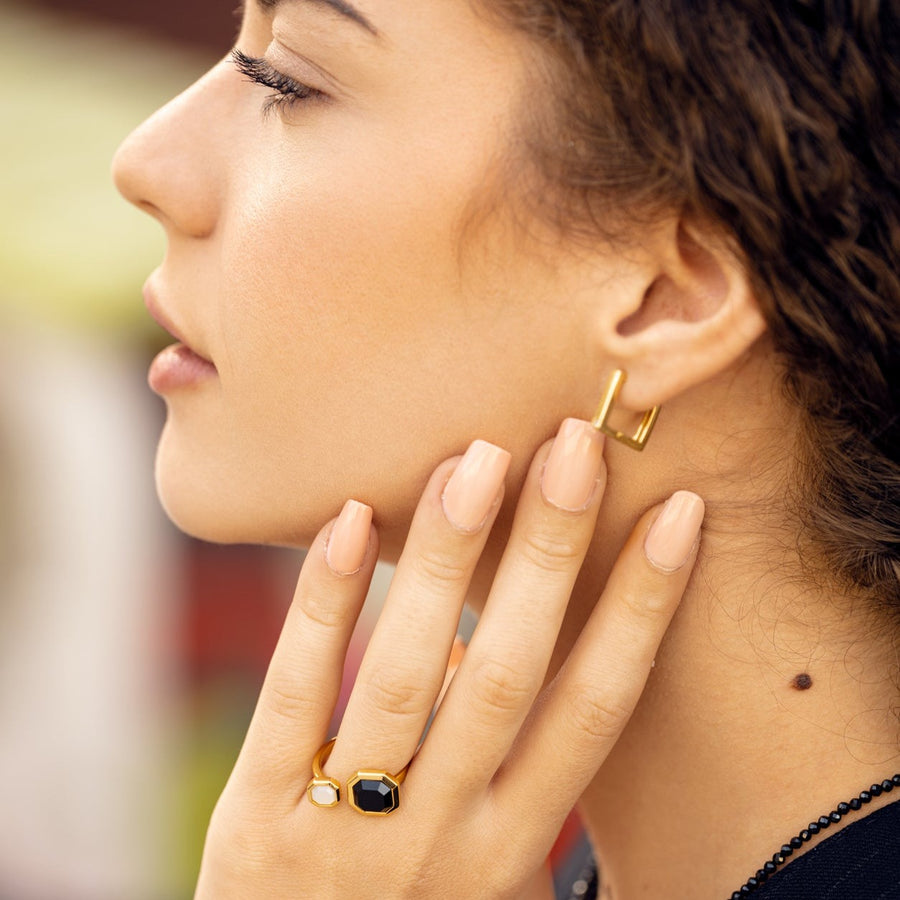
72 251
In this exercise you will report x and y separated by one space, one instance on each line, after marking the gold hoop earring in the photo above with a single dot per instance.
638 440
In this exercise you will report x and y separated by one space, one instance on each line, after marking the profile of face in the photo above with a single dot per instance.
359 279
340 247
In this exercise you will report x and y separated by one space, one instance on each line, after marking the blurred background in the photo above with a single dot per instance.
130 656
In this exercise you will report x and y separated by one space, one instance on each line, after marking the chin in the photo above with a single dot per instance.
222 506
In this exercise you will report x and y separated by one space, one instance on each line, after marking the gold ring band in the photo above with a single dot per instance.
323 791
370 792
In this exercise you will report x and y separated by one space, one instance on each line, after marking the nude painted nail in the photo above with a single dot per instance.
345 551
573 466
473 488
672 536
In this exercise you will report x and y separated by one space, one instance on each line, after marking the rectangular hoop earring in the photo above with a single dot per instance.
638 440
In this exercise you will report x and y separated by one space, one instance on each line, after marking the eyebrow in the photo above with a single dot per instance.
339 6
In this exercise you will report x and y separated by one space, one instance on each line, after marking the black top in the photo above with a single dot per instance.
859 862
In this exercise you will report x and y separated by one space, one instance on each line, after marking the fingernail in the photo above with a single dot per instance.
472 490
570 474
345 550
672 536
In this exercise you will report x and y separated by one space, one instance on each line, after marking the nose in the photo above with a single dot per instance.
173 165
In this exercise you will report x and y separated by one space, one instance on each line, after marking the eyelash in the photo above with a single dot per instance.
288 92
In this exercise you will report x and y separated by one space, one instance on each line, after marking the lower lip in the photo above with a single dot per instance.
179 367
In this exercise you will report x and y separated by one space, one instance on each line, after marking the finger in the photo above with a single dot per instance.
507 658
456 657
404 666
303 681
593 696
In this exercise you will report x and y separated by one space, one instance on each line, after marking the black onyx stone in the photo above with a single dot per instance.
888 785
796 842
786 849
896 780
805 835
843 808
855 803
865 796
824 821
769 867
814 828
835 816
875 790
376 795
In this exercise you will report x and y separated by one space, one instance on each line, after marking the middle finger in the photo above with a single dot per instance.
507 659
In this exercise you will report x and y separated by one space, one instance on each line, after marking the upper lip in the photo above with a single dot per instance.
162 319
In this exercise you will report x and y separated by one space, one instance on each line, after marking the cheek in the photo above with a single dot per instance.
354 357
348 361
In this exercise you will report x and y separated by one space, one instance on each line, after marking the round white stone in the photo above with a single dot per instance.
324 795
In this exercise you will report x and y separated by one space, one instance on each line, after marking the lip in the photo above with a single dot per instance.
161 319
179 365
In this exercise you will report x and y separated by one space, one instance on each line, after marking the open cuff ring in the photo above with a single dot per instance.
370 792
322 790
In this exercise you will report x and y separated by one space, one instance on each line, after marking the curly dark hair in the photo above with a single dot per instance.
778 122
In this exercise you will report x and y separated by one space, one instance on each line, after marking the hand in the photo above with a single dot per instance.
506 757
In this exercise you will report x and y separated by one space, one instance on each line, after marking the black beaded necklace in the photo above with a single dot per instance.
795 843
587 884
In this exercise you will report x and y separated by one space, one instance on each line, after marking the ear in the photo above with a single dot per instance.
696 317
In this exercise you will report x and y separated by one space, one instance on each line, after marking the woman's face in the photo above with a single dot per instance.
350 263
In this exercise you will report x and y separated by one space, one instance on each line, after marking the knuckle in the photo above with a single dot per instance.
398 695
500 687
322 611
292 706
441 567
551 551
645 604
598 714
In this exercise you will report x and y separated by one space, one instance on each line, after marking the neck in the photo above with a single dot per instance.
729 754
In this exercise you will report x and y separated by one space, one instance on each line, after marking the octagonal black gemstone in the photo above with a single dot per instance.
376 795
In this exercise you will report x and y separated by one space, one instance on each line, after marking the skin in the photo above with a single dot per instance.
373 298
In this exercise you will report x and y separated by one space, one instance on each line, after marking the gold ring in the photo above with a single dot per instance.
374 793
323 791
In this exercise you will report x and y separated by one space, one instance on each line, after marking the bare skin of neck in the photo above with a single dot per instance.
725 758
729 753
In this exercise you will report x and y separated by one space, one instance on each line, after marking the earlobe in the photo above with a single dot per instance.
697 318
